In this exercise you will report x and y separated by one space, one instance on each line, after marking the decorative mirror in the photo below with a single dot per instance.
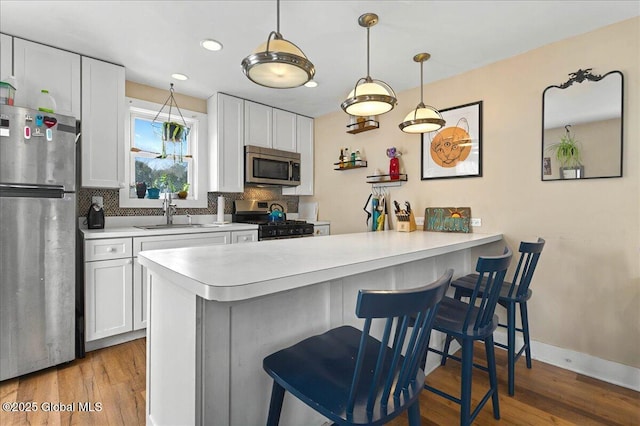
582 127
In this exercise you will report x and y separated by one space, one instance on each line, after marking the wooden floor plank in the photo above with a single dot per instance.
115 378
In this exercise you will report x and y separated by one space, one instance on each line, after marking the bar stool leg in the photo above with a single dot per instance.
493 377
511 345
525 331
445 350
275 406
467 373
414 414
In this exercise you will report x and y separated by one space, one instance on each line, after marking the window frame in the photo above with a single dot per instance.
197 148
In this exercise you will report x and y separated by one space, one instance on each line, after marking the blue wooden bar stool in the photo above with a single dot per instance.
353 378
470 322
513 293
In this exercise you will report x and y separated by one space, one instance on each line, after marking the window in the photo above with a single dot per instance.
166 165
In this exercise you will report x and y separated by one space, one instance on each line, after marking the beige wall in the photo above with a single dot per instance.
159 96
587 286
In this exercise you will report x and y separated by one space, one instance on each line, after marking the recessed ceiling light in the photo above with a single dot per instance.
212 45
179 76
311 83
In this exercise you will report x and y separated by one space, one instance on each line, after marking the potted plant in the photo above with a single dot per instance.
141 189
185 191
567 152
153 192
165 182
172 131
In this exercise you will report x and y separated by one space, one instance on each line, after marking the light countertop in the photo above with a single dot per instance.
132 231
244 271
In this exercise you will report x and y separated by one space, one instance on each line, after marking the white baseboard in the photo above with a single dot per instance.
578 362
114 340
588 365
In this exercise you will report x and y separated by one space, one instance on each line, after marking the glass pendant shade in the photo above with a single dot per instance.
423 119
279 64
367 99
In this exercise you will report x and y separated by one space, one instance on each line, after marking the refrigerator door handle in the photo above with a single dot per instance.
31 191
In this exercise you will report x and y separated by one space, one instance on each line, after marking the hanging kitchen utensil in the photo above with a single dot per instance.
376 214
367 209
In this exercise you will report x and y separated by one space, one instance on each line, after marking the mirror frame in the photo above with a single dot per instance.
579 77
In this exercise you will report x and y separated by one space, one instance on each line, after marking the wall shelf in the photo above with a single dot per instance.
348 166
362 126
385 180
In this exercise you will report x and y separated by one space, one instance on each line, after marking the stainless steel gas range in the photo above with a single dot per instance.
271 218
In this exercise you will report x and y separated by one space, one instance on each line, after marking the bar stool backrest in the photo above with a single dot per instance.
491 272
529 255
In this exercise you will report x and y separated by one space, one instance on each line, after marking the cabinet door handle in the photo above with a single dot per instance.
129 261
111 249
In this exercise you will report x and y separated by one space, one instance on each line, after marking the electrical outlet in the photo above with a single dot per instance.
420 221
476 221
97 200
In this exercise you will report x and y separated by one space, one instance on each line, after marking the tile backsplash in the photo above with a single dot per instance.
112 207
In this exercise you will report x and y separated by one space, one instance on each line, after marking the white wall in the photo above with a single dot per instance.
587 286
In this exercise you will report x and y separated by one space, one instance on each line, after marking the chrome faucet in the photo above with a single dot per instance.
168 208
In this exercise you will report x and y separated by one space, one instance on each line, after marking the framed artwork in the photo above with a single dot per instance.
456 149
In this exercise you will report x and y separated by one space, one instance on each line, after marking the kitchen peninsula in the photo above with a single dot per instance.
215 312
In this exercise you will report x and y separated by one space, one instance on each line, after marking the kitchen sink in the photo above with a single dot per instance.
178 225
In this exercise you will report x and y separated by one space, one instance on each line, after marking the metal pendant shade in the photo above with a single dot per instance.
424 118
369 96
278 63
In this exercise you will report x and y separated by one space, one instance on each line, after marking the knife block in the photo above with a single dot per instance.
406 223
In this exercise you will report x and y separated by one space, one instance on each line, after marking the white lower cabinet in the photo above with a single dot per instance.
108 297
116 283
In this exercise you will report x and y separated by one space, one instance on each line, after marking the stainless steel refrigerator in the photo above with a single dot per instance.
37 240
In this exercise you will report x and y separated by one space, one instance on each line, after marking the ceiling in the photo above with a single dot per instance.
154 39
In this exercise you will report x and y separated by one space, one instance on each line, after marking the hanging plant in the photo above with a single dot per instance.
567 151
172 131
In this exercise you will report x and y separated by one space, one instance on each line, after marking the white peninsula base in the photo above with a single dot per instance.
215 312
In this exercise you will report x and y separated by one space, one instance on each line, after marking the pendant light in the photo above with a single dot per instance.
424 118
278 63
369 96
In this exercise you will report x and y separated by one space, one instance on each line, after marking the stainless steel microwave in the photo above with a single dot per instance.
266 166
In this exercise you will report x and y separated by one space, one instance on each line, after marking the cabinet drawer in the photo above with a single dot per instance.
243 236
320 230
113 248
178 241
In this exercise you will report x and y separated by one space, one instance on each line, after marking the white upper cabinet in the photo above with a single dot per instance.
226 143
38 67
6 56
284 130
304 144
258 124
103 118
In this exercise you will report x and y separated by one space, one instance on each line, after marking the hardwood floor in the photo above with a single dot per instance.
115 378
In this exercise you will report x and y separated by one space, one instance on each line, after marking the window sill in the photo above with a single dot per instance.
127 202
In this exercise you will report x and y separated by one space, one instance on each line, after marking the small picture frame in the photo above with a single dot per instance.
456 149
